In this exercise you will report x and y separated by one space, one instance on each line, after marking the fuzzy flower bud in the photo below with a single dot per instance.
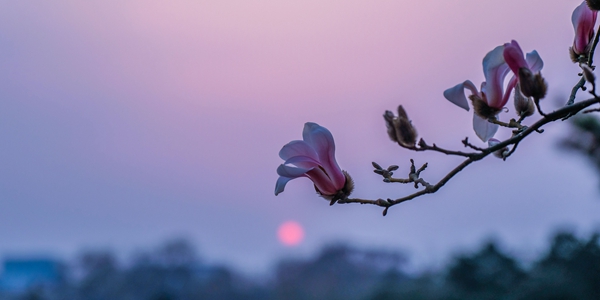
593 4
532 85
400 128
523 105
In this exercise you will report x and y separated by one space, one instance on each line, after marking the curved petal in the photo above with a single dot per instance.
280 184
513 55
484 129
320 139
495 70
297 148
534 61
511 86
322 181
583 19
316 175
456 94
304 162
291 172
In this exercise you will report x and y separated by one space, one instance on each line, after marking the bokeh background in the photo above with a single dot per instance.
125 123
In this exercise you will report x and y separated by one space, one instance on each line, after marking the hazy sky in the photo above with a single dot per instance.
124 123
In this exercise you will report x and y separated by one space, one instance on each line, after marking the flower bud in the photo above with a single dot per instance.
400 128
584 20
523 105
500 153
532 85
588 74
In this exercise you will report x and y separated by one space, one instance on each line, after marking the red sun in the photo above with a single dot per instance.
290 233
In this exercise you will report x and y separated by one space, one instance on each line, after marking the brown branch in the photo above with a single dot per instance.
521 131
414 175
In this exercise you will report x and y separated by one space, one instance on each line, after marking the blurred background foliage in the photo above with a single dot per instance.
568 269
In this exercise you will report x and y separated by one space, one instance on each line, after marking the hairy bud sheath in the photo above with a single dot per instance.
523 105
532 85
400 128
482 109
593 4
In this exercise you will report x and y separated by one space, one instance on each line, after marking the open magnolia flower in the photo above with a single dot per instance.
488 102
531 82
314 158
583 19
491 99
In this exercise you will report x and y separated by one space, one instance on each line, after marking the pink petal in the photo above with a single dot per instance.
286 174
316 175
320 139
513 55
509 88
322 181
297 148
304 162
534 61
291 171
495 70
583 19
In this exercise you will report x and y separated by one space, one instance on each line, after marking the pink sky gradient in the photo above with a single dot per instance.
123 123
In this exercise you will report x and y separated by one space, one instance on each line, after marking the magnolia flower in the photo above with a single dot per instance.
314 158
583 19
531 82
488 102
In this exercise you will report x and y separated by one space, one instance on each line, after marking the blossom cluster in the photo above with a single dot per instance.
507 72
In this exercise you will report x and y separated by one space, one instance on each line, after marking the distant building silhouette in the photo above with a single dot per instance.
20 275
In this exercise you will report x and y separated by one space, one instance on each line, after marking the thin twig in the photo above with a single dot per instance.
473 157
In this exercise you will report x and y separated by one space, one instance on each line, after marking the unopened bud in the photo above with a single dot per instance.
523 105
500 153
593 4
532 85
400 128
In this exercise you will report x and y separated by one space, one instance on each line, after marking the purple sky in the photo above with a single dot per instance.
123 123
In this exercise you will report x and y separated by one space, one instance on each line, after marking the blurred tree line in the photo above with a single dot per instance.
568 269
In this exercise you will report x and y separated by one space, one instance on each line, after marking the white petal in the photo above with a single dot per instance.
456 95
484 129
534 61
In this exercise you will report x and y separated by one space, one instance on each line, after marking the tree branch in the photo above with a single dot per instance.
414 175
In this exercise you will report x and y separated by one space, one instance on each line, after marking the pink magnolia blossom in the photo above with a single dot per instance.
526 70
583 19
314 158
492 93
491 99
513 55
